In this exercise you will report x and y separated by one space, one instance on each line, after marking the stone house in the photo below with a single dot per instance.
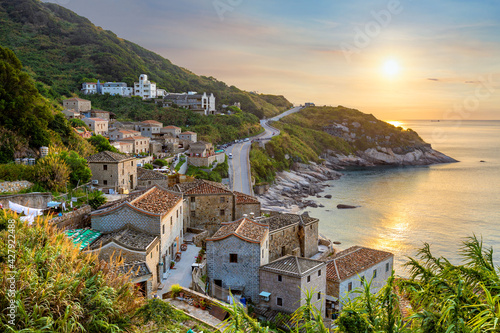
123 147
234 254
174 131
347 268
284 283
118 134
292 234
200 103
136 248
77 104
146 178
113 171
149 128
210 203
72 114
155 211
141 143
106 115
155 147
97 125
171 144
201 149
190 137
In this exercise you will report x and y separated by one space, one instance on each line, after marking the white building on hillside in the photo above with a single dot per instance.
117 88
145 88
89 88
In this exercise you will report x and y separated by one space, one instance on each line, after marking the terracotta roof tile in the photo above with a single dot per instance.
157 200
243 228
97 119
108 156
172 127
188 132
134 138
352 261
77 99
242 198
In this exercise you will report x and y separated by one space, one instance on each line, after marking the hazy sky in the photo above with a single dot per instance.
396 59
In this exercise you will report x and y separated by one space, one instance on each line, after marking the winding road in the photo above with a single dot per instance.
239 165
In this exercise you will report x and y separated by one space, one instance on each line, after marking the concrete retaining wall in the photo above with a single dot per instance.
36 200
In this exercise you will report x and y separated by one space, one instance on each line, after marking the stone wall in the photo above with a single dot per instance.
34 200
77 219
199 239
117 174
317 283
287 289
201 161
117 219
246 208
240 276
284 241
311 239
13 187
260 189
205 211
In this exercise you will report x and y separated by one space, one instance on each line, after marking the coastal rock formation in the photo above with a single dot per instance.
292 187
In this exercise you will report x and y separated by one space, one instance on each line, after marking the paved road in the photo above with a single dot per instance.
239 165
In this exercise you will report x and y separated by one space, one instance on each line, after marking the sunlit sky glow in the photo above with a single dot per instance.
395 59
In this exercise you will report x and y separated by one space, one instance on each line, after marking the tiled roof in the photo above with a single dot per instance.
99 111
97 119
202 187
352 261
157 200
126 236
292 265
134 138
123 143
136 268
172 127
243 228
107 156
242 198
145 174
77 99
152 122
286 219
188 132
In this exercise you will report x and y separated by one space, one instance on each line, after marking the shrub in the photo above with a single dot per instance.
52 172
80 172
148 166
96 199
175 290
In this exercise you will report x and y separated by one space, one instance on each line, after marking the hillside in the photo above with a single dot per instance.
61 49
342 137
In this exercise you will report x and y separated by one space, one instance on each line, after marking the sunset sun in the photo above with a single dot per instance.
391 68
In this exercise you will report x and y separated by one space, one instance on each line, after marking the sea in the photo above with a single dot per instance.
401 208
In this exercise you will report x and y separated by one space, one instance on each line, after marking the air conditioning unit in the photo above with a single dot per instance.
95 181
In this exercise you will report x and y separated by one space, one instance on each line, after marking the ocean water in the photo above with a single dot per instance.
403 207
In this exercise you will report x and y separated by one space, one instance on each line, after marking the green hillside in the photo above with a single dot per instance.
61 49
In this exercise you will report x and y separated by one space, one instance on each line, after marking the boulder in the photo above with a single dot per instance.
328 196
341 206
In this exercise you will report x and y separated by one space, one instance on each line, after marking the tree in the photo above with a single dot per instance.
96 199
80 172
75 122
102 144
22 108
148 166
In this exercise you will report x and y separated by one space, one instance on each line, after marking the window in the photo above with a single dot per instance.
374 273
222 212
132 163
222 200
319 295
319 272
262 253
105 167
362 280
279 301
280 278
105 182
387 267
283 251
177 212
171 218
193 199
349 286
193 213
163 229
309 279
233 257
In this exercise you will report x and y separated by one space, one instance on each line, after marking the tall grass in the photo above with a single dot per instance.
60 289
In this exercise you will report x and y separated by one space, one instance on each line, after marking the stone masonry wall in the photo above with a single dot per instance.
205 211
120 217
244 273
287 289
311 239
317 285
242 209
284 237
77 219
